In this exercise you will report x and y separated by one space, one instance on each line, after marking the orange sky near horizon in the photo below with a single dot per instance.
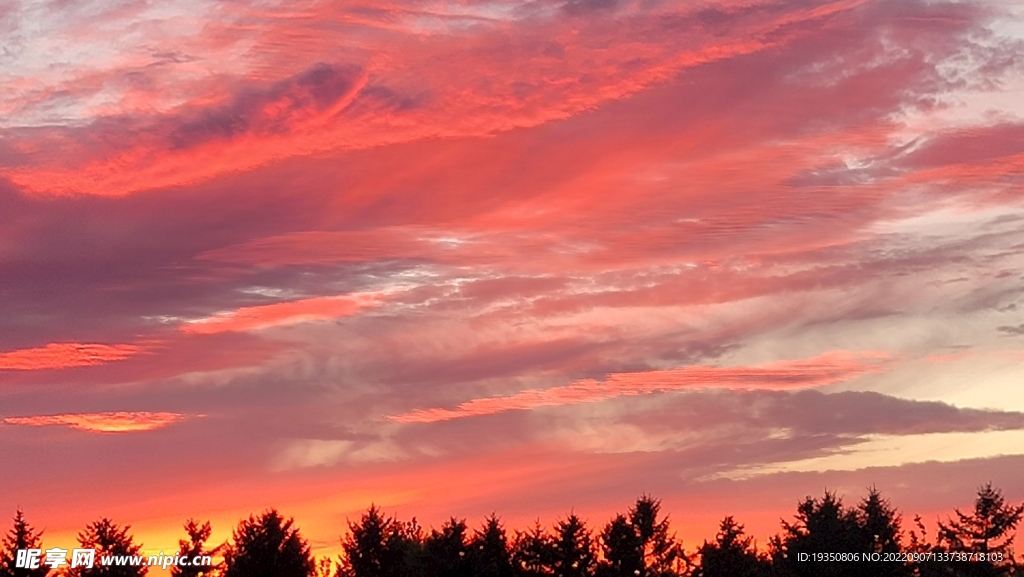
463 257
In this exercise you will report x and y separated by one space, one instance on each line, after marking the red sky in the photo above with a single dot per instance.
523 257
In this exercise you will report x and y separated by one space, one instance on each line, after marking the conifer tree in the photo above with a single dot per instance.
21 537
447 550
267 546
109 541
881 532
533 552
574 551
988 531
640 545
489 550
732 554
193 549
820 526
379 546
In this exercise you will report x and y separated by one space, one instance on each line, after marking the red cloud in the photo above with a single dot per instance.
265 316
825 369
305 107
65 355
115 422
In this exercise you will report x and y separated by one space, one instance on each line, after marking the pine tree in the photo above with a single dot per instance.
731 555
623 552
109 540
640 545
821 526
22 536
192 549
489 551
881 532
533 552
324 568
574 553
267 546
379 546
987 530
447 550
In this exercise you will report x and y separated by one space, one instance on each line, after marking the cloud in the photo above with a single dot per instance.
404 84
823 370
278 314
1012 330
112 422
66 355
896 451
304 453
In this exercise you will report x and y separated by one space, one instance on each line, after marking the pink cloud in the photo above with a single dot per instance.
65 355
277 314
113 422
825 369
303 107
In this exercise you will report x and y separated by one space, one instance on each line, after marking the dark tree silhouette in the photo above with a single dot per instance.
881 532
623 555
640 545
987 531
324 568
575 553
21 536
447 550
195 547
107 539
533 552
379 546
821 526
489 551
267 546
732 554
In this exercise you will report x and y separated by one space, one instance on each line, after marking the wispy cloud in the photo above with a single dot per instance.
793 375
283 313
66 355
113 422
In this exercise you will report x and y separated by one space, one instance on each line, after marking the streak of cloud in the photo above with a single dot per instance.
825 369
111 422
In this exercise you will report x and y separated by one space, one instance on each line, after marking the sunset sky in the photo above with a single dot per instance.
516 256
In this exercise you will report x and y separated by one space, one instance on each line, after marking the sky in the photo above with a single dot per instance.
530 257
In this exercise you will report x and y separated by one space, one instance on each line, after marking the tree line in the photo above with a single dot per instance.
869 536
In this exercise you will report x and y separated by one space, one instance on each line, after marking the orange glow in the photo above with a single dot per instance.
65 355
114 422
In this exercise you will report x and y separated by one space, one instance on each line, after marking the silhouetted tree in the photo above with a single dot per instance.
533 552
821 526
193 548
732 554
447 550
108 540
639 545
623 555
881 532
574 551
379 546
22 536
324 567
987 530
267 546
489 551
